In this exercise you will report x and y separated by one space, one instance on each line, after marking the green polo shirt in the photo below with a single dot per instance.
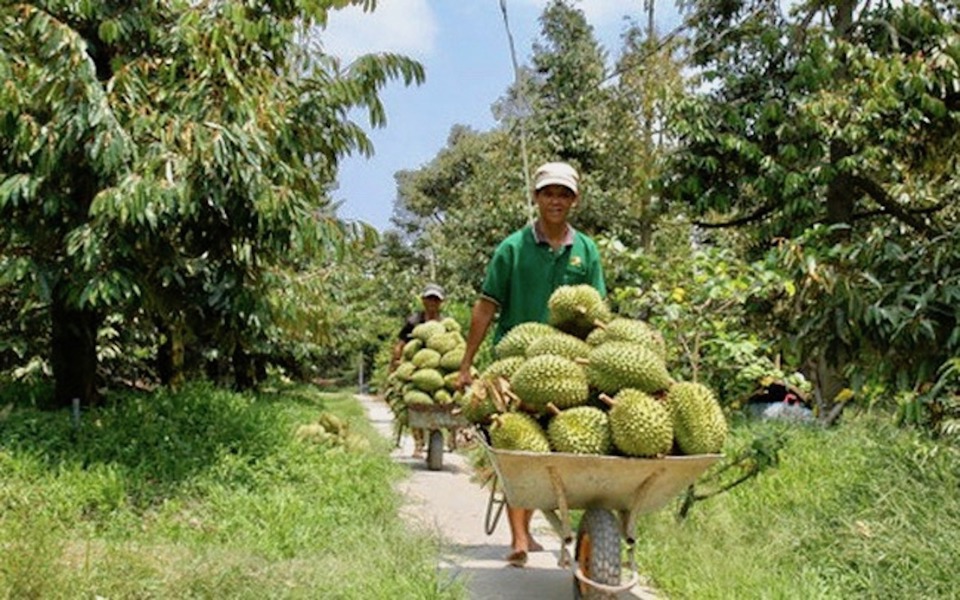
524 271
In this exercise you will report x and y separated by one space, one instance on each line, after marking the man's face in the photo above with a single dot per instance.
554 203
431 303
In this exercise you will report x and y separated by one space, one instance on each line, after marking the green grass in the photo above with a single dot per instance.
860 511
204 494
209 494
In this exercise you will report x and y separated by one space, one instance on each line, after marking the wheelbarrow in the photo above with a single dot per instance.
434 419
613 491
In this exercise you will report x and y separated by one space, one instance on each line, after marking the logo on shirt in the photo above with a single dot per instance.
575 261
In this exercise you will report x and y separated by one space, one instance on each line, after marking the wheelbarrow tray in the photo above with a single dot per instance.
435 416
633 485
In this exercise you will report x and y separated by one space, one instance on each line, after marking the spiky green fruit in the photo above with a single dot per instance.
580 430
426 330
426 359
698 421
561 344
411 347
640 425
427 380
451 360
518 431
504 367
576 309
476 403
550 378
515 341
445 342
451 324
404 370
614 366
417 397
442 396
634 330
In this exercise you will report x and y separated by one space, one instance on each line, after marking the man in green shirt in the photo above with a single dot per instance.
524 271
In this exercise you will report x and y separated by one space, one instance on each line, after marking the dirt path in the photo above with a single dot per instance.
452 509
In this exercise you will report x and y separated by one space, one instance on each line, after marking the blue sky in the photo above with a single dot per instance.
463 47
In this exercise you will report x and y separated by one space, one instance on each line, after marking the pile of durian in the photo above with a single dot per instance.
591 382
427 373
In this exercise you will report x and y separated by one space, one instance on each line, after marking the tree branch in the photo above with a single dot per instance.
881 197
758 214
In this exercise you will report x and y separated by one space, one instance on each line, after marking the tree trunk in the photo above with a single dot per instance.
73 352
170 355
244 377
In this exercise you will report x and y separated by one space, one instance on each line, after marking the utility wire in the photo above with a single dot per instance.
523 100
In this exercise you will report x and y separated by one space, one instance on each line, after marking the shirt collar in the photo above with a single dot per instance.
541 239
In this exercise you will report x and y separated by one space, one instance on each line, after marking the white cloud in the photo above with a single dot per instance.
404 26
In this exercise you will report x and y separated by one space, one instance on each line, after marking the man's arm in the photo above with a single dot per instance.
397 354
480 318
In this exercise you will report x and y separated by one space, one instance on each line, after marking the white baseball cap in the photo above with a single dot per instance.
432 289
556 173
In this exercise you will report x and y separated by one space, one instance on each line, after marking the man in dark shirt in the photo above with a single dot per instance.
431 298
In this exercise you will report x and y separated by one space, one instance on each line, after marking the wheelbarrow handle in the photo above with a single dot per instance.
494 508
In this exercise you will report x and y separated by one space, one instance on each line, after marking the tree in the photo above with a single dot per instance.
168 173
841 114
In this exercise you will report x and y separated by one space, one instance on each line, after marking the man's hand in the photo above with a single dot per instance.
464 378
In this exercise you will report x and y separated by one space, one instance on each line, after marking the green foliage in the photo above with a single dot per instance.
203 493
181 176
879 520
885 300
707 303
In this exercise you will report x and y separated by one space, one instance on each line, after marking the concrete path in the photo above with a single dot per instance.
452 509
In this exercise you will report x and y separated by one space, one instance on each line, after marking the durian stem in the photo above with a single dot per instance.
553 408
580 360
607 399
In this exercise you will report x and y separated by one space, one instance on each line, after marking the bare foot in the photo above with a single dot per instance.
535 546
517 558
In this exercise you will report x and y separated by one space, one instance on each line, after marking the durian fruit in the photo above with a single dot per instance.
518 431
561 344
332 423
415 396
450 361
450 380
579 430
426 359
633 330
426 330
576 309
442 396
315 433
613 366
427 380
503 367
480 402
404 370
698 421
640 425
550 378
445 342
515 341
411 348
450 324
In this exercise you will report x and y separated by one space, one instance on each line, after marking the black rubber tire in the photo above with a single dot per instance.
597 553
435 450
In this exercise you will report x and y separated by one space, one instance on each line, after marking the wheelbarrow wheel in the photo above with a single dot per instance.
598 554
435 450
